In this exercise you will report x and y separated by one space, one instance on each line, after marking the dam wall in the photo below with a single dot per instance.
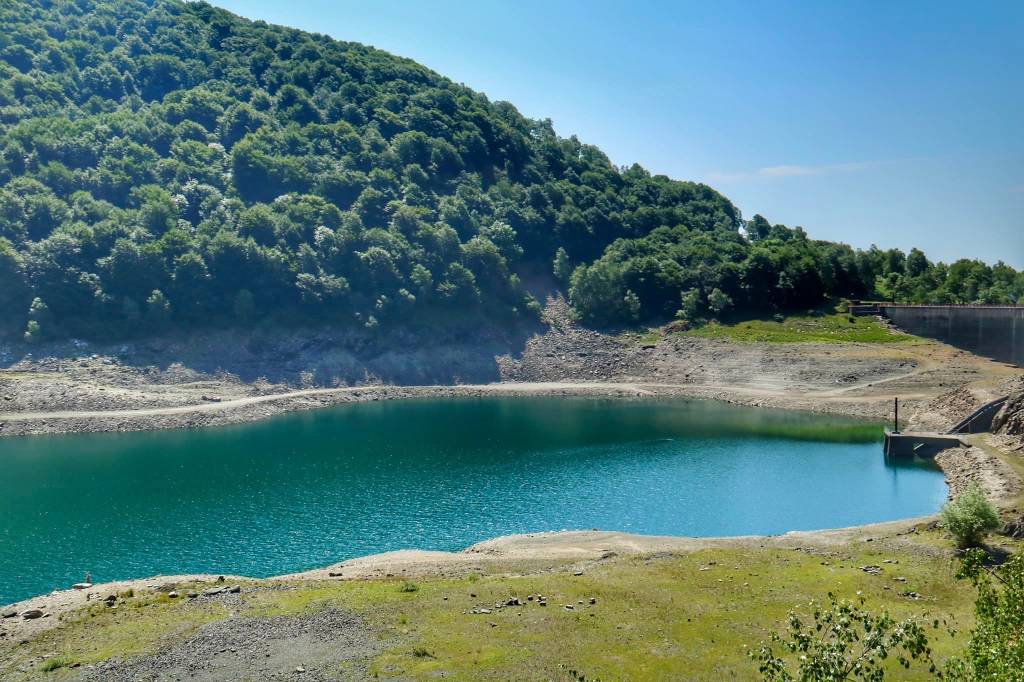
996 332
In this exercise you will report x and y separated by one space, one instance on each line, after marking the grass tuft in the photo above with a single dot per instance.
51 664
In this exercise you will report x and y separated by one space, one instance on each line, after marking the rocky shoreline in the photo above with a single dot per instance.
226 378
116 389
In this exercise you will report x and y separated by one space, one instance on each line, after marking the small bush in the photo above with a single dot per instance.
845 641
969 517
409 587
52 664
420 652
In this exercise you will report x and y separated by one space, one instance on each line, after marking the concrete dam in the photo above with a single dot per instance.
993 331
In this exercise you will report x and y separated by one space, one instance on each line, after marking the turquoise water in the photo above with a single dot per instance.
306 490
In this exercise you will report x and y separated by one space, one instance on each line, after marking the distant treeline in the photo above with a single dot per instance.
167 163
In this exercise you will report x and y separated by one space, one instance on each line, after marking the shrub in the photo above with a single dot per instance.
845 642
969 517
409 587
52 664
995 650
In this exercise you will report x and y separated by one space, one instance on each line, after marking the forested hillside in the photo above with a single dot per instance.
165 163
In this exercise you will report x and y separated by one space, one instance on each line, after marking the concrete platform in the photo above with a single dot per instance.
920 444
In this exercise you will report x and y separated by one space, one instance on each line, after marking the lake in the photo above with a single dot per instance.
305 490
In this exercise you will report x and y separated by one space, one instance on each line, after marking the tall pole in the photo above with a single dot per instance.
896 417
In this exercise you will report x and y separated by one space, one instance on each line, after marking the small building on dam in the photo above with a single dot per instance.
993 331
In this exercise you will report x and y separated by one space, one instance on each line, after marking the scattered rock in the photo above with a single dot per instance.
81 586
872 569
235 589
9 613
32 614
172 594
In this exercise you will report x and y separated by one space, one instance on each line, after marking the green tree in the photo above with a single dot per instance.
158 311
719 301
995 650
690 304
40 322
842 640
969 516
562 266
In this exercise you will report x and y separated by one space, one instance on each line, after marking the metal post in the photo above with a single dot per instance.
896 417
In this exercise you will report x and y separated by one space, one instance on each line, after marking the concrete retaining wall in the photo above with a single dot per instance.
993 331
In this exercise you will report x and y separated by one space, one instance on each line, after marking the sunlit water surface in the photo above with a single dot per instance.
309 489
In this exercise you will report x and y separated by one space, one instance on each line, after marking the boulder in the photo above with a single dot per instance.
32 614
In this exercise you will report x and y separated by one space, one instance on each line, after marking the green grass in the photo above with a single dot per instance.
803 329
652 617
97 633
51 664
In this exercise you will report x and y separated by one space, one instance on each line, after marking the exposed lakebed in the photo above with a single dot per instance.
305 490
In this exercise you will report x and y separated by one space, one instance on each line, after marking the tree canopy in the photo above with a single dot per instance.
164 162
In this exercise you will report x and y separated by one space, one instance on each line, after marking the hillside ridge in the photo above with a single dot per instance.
168 164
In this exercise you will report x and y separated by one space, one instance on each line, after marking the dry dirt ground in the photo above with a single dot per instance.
218 379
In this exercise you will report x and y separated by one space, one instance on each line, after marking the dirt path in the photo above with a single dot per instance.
519 388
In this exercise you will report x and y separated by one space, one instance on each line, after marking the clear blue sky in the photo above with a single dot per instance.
896 123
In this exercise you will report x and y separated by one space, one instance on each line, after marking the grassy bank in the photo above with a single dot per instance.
682 616
834 328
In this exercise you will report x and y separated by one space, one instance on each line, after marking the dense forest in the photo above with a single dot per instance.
165 163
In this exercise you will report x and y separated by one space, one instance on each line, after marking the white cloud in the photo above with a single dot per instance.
792 170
